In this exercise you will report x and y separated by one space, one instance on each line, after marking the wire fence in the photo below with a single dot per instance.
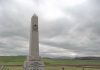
54 67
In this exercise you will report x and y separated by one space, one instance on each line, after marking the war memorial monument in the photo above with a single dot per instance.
33 61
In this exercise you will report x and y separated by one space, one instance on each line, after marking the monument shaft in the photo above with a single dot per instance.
34 62
34 39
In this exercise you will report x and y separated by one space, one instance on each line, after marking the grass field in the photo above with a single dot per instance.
13 60
47 61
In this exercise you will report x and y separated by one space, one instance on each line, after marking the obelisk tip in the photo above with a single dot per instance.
35 15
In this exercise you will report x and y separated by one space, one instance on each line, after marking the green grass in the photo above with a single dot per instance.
13 60
70 61
21 59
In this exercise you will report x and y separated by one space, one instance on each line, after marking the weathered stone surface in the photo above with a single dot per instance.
33 61
34 65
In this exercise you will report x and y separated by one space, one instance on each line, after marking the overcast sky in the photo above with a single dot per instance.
67 28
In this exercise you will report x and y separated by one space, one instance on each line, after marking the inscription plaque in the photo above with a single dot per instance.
35 27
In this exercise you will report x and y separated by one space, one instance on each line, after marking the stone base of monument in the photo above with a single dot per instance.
33 65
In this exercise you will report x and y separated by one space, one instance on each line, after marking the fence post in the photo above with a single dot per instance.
83 68
62 68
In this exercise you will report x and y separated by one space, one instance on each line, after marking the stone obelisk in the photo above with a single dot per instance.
34 61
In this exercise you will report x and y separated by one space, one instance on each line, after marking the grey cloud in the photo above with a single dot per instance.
87 19
54 28
80 35
13 32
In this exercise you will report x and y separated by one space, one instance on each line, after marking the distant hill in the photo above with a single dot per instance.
88 58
